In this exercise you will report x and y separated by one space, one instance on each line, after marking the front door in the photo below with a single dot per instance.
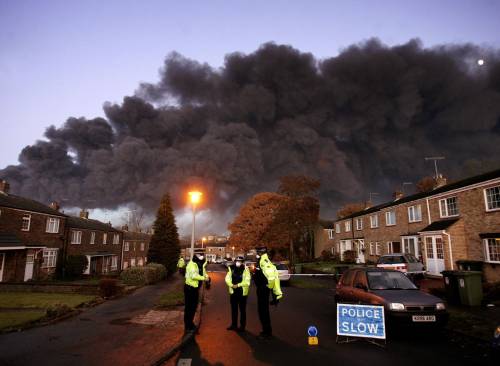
360 251
2 265
28 272
93 265
435 254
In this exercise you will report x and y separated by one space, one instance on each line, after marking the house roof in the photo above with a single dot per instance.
22 203
439 225
446 188
80 223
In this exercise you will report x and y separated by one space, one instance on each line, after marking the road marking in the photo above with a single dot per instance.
184 362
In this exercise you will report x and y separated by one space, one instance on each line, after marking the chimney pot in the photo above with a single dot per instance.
125 227
84 214
398 195
4 186
440 181
54 206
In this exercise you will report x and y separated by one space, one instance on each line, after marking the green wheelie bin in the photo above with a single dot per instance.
470 287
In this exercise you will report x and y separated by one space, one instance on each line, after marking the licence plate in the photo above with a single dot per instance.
424 318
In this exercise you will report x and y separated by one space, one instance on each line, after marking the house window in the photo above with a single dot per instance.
76 237
393 247
337 228
390 218
92 237
492 250
126 247
330 234
448 207
378 248
52 225
104 238
410 245
140 262
374 221
132 262
49 258
116 239
114 263
347 226
142 247
25 226
359 224
125 265
415 213
372 252
492 197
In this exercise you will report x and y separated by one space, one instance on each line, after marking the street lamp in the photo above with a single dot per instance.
203 241
233 252
195 198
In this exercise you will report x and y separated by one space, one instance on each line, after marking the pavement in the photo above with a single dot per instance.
300 308
124 331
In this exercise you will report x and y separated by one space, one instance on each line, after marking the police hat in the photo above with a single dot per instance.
261 250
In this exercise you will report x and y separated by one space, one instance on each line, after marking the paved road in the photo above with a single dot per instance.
99 336
300 309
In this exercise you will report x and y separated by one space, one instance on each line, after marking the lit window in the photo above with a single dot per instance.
359 224
25 226
116 239
104 238
76 237
415 213
52 225
142 247
492 250
374 221
49 258
492 196
92 237
125 265
390 218
448 207
347 226
132 262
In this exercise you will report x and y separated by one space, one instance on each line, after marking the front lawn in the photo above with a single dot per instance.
41 300
174 297
11 319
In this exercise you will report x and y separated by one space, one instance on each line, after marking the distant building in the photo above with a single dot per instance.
324 238
135 248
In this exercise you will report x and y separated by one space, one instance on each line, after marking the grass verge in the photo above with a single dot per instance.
12 319
175 297
26 300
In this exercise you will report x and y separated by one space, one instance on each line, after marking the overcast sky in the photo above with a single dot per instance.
66 58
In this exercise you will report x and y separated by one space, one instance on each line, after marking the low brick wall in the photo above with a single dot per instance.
67 288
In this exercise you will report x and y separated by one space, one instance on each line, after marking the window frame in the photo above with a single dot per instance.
337 228
374 226
372 252
78 236
143 247
347 226
51 257
54 222
92 237
116 239
388 214
486 199
412 210
359 223
486 248
105 238
126 246
28 217
445 201
378 248
114 262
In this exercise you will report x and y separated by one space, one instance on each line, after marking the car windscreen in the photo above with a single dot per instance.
391 259
389 281
281 267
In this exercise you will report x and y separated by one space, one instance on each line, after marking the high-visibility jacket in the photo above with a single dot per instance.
245 283
269 270
193 276
181 263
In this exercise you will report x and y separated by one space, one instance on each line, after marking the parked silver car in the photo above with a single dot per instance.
403 262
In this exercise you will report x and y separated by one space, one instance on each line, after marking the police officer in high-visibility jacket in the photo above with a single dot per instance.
181 265
195 272
238 283
266 280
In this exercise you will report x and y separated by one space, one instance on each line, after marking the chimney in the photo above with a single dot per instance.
125 228
440 181
398 195
368 204
4 187
54 206
84 214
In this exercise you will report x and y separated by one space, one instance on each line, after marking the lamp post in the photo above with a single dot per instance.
195 198
233 252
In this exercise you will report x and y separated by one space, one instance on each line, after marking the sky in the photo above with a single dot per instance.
60 59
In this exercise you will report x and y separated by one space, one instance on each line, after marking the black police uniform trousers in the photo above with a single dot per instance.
263 309
238 301
191 295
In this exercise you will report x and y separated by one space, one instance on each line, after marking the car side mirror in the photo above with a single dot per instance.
361 287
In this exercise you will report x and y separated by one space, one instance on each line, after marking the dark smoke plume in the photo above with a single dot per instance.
359 122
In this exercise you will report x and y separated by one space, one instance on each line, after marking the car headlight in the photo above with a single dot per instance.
396 306
440 306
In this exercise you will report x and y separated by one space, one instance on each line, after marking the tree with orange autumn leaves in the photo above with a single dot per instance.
277 220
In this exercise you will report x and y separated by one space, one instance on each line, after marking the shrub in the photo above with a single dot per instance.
350 256
156 272
75 265
108 287
138 276
57 310
325 255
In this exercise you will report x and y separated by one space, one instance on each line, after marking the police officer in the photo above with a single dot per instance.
195 272
181 266
238 283
266 280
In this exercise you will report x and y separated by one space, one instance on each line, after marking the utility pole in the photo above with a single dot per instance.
435 159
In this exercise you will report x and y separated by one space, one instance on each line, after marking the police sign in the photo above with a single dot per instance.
360 321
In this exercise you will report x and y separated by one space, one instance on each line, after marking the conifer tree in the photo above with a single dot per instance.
164 246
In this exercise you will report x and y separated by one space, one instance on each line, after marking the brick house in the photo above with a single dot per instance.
31 237
135 248
457 221
99 242
323 238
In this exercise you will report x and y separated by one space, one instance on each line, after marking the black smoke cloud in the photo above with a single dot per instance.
361 122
